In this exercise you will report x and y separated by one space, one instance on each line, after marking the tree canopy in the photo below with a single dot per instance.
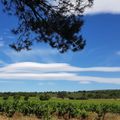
55 22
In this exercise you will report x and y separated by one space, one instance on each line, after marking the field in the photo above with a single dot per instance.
32 108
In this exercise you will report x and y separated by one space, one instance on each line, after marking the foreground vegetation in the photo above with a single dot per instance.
49 107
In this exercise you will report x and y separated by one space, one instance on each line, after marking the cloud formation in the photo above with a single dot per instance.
55 71
52 67
105 6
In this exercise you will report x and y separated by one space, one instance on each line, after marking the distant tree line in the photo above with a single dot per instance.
79 95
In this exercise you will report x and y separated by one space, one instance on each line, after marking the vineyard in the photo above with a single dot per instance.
60 108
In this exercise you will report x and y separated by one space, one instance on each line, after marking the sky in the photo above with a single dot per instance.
96 67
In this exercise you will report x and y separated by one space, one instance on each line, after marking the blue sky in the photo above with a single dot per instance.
44 69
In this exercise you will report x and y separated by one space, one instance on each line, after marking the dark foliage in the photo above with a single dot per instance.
44 97
96 94
57 24
16 97
5 97
62 94
26 97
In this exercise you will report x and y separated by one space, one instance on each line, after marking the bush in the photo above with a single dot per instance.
44 97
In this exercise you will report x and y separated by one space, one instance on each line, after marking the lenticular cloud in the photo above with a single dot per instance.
55 71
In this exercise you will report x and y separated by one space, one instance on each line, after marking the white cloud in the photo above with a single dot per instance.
54 71
105 6
100 69
84 82
100 6
53 67
38 67
58 76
